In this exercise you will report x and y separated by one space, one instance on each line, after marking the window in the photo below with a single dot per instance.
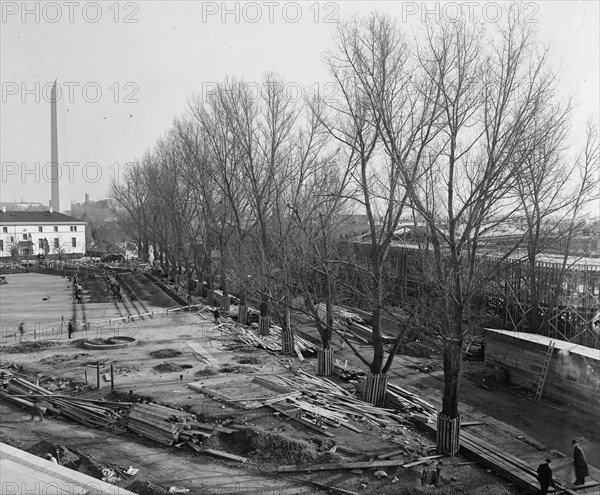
73 228
12 239
1 245
41 243
5 230
40 229
56 242
24 237
55 228
74 241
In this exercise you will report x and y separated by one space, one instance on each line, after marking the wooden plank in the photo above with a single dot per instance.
191 444
220 429
342 465
225 455
302 421
393 453
202 353
422 460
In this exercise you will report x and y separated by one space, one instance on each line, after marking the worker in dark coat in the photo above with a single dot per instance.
71 329
37 409
581 467
544 476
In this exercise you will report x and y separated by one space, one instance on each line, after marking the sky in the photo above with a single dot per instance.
125 70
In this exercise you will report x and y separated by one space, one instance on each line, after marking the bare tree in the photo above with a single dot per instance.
491 92
376 77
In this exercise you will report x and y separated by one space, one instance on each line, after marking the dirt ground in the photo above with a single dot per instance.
162 364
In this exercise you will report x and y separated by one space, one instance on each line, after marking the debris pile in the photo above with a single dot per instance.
271 342
475 350
88 412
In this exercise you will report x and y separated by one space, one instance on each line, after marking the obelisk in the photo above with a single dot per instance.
54 171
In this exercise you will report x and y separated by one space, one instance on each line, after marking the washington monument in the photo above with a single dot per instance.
54 171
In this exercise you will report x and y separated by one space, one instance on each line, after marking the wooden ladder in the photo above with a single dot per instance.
544 374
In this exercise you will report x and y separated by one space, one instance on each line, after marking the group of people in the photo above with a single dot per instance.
77 289
544 471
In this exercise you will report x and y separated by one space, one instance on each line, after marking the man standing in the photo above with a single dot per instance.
37 409
581 467
217 316
544 476
70 329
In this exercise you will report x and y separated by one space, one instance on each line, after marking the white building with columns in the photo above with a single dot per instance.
35 233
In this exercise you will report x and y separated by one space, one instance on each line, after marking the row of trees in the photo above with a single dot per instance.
456 127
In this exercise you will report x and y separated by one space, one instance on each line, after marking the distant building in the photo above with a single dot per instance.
35 233
23 206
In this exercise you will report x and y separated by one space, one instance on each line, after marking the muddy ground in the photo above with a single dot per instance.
161 365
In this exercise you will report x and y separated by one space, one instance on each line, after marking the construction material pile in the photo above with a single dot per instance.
328 404
475 350
351 325
271 342
6 373
93 413
396 397
159 423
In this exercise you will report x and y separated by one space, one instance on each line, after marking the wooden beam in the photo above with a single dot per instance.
302 421
225 455
342 465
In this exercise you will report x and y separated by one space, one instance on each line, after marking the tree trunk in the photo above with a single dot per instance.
452 363
325 362
243 309
287 341
377 364
210 292
375 388
448 434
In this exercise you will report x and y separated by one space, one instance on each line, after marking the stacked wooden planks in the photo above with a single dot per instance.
93 413
506 465
400 399
157 422
272 342
404 400
329 403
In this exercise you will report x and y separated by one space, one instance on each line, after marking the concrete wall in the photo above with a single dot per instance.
573 374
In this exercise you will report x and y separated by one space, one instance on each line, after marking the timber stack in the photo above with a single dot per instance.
272 342
159 423
93 413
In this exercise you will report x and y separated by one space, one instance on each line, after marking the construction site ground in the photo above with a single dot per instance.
162 364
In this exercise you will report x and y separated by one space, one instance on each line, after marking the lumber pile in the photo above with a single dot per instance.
271 342
348 372
159 423
404 400
5 376
347 322
93 413
475 350
396 397
328 404
508 466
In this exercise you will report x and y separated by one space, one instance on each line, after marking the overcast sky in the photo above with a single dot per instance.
127 69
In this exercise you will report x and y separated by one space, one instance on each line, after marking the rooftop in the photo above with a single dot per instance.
559 345
36 217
